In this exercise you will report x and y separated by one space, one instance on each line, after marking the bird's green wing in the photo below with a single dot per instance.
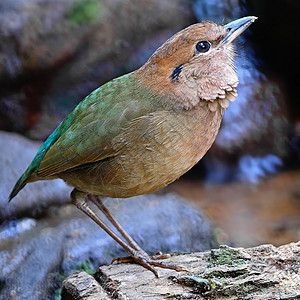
85 135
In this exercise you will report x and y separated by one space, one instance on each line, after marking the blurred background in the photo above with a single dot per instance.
54 53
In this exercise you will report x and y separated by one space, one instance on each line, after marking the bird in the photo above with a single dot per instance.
143 130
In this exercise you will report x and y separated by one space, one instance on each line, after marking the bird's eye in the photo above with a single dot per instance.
203 46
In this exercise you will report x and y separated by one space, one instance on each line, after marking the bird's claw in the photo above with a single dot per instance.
160 255
149 261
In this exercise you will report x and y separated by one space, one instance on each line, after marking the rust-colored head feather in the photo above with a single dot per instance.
192 65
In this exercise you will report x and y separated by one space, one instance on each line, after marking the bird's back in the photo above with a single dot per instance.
85 135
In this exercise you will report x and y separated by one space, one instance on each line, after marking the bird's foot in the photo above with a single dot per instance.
149 261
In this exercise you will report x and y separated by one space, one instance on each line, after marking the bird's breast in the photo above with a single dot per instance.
153 151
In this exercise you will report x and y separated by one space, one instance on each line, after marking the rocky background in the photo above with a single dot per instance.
54 53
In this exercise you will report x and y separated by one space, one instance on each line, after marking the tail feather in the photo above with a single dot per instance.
32 168
18 186
25 176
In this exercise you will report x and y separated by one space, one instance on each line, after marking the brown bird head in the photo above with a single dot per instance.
195 64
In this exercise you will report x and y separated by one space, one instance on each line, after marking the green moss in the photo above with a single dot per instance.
86 265
85 12
201 283
57 294
226 256
228 274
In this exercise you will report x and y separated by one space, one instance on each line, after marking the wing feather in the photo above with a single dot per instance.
91 127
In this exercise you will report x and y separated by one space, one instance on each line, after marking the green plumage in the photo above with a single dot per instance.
85 134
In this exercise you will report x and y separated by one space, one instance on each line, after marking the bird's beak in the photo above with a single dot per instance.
235 28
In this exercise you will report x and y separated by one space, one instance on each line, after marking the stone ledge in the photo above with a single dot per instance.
263 272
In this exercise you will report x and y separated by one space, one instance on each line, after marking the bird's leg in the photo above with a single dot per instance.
98 202
78 198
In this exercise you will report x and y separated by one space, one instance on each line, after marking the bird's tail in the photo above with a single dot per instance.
18 186
28 175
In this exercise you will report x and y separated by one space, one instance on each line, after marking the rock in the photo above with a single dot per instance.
262 272
36 253
16 152
82 285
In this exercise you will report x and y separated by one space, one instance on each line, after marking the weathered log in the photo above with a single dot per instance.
263 272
